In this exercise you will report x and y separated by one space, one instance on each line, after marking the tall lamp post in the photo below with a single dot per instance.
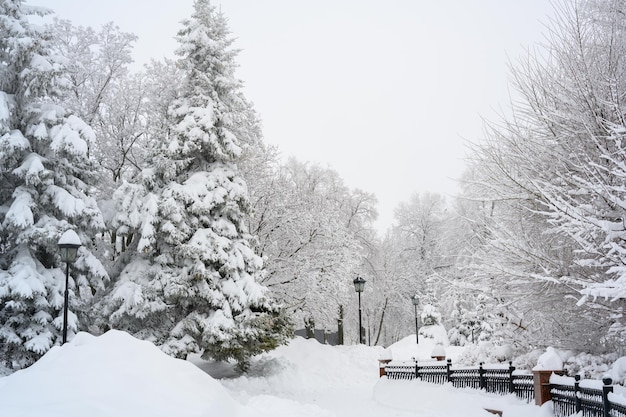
68 248
359 286
416 301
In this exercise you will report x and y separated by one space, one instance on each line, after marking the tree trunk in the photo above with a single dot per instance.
380 324
340 326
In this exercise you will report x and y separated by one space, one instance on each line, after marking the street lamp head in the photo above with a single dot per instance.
68 246
415 300
359 284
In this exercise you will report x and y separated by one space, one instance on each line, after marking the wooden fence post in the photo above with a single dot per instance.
384 358
448 370
606 388
381 366
541 383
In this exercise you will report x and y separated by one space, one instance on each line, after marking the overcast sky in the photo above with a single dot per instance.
383 92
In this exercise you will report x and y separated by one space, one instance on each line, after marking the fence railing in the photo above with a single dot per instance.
593 399
494 380
569 397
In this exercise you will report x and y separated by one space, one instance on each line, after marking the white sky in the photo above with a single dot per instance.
383 92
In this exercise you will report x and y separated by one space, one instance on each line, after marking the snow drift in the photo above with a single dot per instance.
112 375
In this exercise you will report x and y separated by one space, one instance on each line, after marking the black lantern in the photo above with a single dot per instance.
416 301
359 286
68 249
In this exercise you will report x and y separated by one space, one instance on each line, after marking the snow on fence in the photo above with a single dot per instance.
495 380
569 395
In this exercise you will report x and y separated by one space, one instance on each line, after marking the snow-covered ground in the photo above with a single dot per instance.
115 375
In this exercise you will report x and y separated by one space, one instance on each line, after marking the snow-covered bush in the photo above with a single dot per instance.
436 332
432 327
550 360
528 359
618 371
588 366
456 337
486 352
430 315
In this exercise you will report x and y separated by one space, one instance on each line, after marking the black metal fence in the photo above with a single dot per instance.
495 380
569 399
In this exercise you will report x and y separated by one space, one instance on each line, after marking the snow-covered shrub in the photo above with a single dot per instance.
587 365
549 360
436 332
486 352
457 337
430 315
527 360
618 371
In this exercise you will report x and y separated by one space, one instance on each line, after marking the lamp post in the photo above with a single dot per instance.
416 301
359 286
68 248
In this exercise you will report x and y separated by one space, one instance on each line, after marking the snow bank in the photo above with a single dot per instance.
112 375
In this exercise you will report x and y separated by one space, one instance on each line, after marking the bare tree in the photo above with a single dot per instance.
554 175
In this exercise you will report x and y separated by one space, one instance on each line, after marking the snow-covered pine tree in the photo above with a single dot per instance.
193 283
45 190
